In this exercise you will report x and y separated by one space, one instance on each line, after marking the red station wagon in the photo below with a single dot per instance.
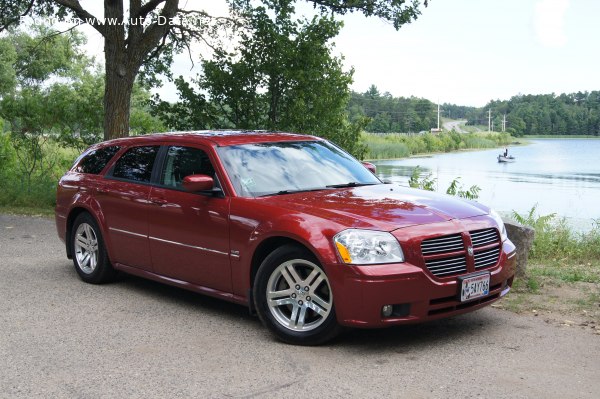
289 225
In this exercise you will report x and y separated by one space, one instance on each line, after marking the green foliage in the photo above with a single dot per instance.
557 243
422 182
281 76
386 146
427 182
31 182
457 189
50 110
545 114
390 114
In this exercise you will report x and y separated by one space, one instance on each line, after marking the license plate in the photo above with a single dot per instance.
474 287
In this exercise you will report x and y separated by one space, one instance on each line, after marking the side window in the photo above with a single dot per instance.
96 160
136 164
184 161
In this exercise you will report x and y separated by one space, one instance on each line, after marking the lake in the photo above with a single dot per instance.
562 176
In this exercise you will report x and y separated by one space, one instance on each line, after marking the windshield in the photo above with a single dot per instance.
284 167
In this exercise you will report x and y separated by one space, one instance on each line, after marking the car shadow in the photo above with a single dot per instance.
414 337
401 339
182 297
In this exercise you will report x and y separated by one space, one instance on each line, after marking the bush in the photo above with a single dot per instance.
556 241
386 146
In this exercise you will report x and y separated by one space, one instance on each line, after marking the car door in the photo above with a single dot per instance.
189 232
123 199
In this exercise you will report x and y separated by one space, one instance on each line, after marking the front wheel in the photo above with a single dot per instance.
293 297
89 253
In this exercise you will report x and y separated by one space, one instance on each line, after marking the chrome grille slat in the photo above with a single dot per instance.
442 240
442 244
444 249
487 258
480 238
447 266
444 263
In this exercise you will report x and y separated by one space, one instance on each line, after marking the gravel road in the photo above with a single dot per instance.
62 338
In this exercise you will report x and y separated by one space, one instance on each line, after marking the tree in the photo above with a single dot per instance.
145 38
50 93
281 76
39 72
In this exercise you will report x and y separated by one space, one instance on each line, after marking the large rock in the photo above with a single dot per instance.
522 237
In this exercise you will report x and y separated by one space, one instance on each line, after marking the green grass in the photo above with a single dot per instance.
565 271
389 146
556 244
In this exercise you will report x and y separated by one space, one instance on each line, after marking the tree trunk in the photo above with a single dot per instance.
117 103
119 77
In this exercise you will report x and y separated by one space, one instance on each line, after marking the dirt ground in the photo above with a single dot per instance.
62 338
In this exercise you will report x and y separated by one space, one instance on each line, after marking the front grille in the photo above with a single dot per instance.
487 258
447 266
443 244
481 238
446 256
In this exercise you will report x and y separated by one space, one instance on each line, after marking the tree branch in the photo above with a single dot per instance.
155 32
84 15
146 9
17 19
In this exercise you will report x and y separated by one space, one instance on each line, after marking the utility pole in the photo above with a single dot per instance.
489 120
504 123
438 128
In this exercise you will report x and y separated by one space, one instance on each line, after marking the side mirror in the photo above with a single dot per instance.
372 168
195 183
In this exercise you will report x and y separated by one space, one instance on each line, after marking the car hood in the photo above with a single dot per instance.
382 207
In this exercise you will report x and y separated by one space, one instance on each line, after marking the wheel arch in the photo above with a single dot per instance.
269 245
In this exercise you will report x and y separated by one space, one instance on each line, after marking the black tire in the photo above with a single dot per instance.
300 319
86 238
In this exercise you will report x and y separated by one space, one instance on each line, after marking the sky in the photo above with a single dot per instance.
465 52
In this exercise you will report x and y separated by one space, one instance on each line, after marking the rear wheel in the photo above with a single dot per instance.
293 297
89 253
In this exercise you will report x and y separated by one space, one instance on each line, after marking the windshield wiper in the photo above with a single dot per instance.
283 192
350 184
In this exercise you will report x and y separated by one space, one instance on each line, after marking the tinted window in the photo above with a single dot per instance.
136 164
96 160
270 168
185 161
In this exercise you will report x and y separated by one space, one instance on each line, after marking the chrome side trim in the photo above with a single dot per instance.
189 246
128 232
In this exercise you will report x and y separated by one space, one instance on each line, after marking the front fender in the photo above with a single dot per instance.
251 226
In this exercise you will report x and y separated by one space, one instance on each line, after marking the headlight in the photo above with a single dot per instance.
368 247
501 227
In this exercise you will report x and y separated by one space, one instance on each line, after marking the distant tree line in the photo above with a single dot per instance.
564 114
388 114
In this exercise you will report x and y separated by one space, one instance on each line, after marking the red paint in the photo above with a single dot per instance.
206 243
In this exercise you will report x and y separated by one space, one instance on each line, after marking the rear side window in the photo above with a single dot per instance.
136 164
96 160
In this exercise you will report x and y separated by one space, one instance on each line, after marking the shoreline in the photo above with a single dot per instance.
427 154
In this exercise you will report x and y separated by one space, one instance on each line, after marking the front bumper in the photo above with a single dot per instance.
360 292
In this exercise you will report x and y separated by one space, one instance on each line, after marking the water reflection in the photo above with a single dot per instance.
562 176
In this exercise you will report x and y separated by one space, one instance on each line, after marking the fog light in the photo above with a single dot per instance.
386 310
